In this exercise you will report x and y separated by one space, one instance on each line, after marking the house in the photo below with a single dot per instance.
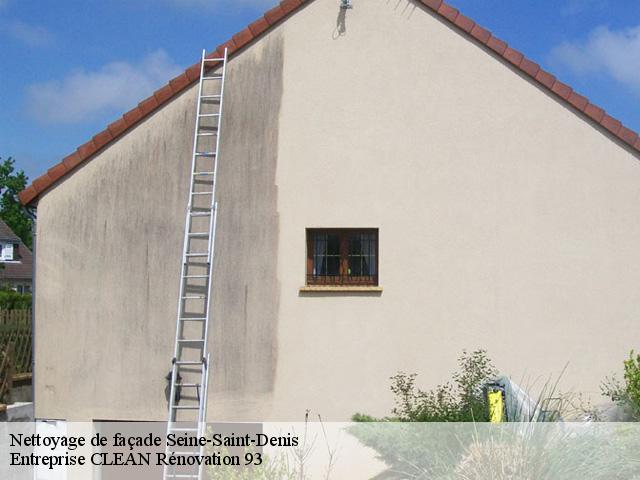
16 262
391 190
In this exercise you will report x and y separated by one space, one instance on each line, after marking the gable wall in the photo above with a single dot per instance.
506 222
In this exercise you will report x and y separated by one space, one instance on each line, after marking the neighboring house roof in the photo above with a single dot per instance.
7 234
268 21
21 268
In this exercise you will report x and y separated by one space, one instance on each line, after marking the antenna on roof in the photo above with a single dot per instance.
346 4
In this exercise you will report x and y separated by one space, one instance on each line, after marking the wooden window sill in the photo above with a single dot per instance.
340 288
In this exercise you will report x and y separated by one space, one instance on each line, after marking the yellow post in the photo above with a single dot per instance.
496 407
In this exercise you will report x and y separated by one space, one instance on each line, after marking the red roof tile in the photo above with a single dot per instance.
275 15
448 12
258 26
433 4
481 34
57 171
578 101
117 127
497 45
627 135
561 89
73 160
596 113
465 23
611 124
243 37
513 56
101 139
164 94
545 78
529 67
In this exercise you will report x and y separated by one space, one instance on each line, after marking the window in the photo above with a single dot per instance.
6 252
345 256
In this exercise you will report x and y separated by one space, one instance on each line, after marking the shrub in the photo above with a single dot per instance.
12 300
461 400
626 393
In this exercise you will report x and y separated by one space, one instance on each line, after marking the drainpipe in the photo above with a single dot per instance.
33 311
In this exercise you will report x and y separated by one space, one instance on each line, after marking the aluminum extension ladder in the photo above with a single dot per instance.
190 365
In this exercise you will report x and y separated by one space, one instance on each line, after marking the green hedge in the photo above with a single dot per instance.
11 300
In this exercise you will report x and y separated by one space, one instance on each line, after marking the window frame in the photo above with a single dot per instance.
342 279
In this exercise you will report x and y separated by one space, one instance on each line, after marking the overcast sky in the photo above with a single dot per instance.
69 68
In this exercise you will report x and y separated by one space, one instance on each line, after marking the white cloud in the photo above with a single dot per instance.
31 35
114 88
615 53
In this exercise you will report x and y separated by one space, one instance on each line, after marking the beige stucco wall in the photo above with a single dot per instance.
506 222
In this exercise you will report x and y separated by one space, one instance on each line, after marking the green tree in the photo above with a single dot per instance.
14 214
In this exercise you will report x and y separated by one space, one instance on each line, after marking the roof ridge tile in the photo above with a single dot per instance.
497 45
448 12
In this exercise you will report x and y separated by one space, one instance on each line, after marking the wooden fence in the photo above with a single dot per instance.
15 330
15 348
6 374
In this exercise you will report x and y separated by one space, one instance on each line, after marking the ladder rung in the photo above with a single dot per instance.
194 297
211 96
203 173
187 385
197 254
200 214
196 276
201 193
192 319
214 59
189 362
199 234
186 407
205 154
181 475
172 429
213 77
209 115
206 134
190 340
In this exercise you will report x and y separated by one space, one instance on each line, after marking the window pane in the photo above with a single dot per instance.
326 255
362 254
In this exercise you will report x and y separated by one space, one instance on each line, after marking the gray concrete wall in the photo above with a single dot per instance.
506 221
